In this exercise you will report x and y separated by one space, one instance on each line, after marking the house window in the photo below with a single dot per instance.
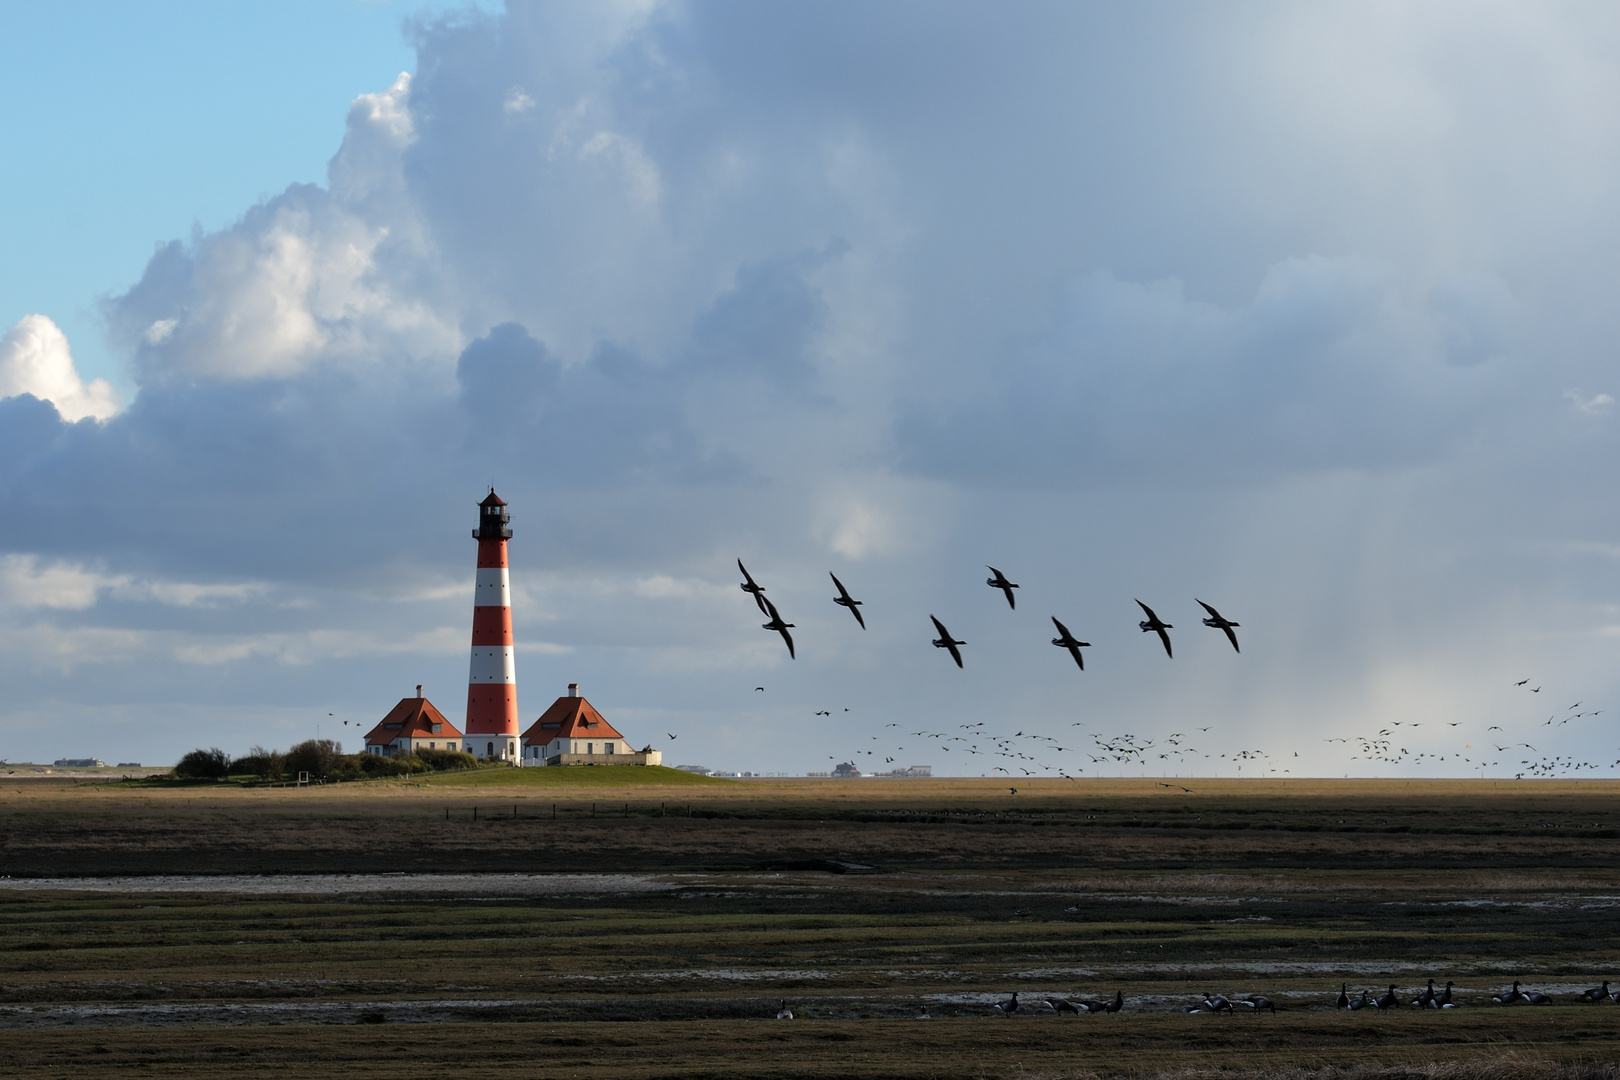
489 750
437 728
607 748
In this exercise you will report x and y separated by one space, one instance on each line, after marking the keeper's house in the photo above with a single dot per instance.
412 725
571 732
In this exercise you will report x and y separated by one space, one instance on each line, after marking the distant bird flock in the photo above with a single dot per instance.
1220 1004
1027 752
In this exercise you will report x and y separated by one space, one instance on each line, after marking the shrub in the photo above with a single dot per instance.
447 760
318 757
211 764
263 763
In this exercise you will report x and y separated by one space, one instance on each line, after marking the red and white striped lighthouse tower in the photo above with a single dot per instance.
492 710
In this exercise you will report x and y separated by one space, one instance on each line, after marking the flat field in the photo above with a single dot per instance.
588 923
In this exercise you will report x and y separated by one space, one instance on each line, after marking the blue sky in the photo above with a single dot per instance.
1303 312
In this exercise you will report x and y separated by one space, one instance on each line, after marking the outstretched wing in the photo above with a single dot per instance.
1151 617
843 593
787 637
1063 631
1231 637
1164 637
951 647
1212 612
939 626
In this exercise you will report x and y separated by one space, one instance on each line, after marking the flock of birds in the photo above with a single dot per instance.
997 580
1430 998
1033 753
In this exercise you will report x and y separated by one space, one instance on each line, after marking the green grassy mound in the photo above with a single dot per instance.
576 776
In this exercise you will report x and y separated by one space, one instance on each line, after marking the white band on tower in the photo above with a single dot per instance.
494 588
492 664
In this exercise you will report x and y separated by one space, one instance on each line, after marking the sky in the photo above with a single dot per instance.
1302 311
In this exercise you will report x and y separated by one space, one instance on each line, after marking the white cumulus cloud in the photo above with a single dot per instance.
35 359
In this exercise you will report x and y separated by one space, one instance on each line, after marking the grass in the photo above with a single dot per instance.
1278 888
573 777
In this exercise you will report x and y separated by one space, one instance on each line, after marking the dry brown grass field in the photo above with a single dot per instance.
589 923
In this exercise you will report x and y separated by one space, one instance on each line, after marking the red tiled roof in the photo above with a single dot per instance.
414 718
574 719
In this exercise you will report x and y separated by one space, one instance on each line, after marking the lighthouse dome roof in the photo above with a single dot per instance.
492 499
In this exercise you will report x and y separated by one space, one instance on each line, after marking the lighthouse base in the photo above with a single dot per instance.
491 747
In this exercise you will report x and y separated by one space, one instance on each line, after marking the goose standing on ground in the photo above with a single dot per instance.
1062 1005
1000 582
1442 1000
1508 997
844 600
779 626
922 1013
1219 623
1067 641
1536 997
1117 1004
751 587
1387 1000
1344 996
1008 1007
1153 625
1361 1002
1258 1002
1216 1003
1597 993
945 641
784 1013
1425 999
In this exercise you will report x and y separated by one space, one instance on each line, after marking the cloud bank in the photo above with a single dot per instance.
1300 311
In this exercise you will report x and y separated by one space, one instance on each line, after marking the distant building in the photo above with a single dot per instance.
572 732
911 772
412 725
846 771
79 763
700 770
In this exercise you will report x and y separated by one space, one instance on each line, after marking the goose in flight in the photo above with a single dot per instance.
778 625
945 641
751 587
1219 623
1067 641
1000 582
844 600
1152 625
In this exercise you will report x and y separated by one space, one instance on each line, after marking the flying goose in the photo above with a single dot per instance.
1000 582
779 626
1067 641
844 600
1219 623
751 587
945 641
1152 625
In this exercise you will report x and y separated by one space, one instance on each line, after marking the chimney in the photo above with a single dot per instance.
573 689
419 690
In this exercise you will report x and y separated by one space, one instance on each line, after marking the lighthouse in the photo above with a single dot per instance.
492 710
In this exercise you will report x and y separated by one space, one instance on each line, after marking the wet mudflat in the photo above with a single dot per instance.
668 951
